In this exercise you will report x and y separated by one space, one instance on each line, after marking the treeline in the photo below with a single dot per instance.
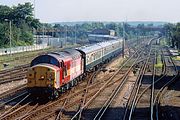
81 31
24 26
172 32
20 19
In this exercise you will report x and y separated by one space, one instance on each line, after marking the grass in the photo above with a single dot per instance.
159 62
120 61
163 41
159 65
176 58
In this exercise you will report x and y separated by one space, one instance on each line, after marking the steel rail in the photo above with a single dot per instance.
152 88
164 71
105 84
163 89
33 108
5 94
138 87
129 102
105 106
5 114
1 105
86 91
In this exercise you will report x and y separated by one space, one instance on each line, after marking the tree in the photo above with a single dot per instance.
22 12
3 35
111 26
172 32
23 23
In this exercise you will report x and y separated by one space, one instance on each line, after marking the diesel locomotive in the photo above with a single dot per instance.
53 73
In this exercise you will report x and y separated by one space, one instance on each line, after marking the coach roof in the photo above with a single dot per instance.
90 48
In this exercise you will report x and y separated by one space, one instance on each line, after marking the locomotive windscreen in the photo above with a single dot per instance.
45 59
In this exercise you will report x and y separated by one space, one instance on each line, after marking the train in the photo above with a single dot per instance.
55 72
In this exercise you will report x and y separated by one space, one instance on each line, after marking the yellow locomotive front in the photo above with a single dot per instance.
41 76
44 75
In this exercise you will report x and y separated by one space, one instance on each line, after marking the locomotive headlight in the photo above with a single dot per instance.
42 77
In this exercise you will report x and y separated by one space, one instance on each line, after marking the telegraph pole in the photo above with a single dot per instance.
43 31
34 30
66 35
123 46
75 35
34 8
10 35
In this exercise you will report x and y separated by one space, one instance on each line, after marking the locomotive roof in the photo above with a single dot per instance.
61 54
74 53
45 59
55 55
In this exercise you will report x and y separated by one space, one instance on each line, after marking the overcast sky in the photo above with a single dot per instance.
103 10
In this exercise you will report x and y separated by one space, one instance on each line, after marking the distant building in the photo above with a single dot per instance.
103 32
100 35
48 40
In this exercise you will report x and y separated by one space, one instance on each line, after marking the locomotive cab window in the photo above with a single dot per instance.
45 59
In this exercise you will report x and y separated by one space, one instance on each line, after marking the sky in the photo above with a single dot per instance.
103 10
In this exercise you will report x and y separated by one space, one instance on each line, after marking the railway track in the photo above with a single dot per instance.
67 101
16 69
102 112
15 74
58 109
130 106
154 91
163 89
27 112
12 91
13 104
119 76
50 109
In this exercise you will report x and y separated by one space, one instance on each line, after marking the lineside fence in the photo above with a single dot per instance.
7 51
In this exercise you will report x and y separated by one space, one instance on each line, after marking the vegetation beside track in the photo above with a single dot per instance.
176 58
159 63
163 42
